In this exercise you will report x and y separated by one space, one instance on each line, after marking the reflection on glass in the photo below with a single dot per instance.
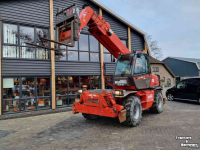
11 51
41 33
84 56
28 89
94 57
94 44
42 53
75 46
105 50
27 52
85 82
73 84
107 57
109 79
72 55
43 86
26 35
61 55
61 100
29 104
10 34
83 42
95 82
72 99
11 88
11 106
61 85
44 103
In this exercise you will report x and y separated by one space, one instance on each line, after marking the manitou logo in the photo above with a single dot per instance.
150 96
121 82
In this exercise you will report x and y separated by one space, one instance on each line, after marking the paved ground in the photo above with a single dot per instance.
67 131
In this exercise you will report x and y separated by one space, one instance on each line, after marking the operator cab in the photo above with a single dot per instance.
133 69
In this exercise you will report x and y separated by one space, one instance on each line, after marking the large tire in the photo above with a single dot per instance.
157 106
133 111
90 116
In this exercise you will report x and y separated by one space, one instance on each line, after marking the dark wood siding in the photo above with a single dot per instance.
77 68
25 11
109 68
120 29
137 41
25 67
67 3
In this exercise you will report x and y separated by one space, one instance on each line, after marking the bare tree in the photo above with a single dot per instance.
156 51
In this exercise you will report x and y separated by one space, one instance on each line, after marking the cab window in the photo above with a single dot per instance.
140 65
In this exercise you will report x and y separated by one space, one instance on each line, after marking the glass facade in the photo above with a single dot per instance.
110 80
67 87
15 38
26 93
86 49
108 57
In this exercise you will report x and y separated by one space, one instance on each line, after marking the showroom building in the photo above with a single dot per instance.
35 79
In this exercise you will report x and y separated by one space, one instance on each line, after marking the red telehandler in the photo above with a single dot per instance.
135 89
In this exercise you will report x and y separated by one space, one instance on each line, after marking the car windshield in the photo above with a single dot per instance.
124 64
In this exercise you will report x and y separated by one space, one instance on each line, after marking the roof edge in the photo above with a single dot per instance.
184 60
124 21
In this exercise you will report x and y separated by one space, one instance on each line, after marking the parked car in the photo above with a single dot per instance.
188 89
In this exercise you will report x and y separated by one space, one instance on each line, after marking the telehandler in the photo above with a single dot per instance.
135 88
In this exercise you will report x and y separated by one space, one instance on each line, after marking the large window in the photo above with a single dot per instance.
15 38
86 49
108 57
67 87
26 93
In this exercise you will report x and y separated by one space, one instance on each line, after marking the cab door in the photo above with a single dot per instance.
142 71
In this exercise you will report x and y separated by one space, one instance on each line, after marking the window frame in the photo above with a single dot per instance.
79 77
18 45
79 51
35 97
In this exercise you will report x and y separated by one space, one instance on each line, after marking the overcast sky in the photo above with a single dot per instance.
175 24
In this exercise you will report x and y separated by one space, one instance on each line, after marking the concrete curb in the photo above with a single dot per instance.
34 113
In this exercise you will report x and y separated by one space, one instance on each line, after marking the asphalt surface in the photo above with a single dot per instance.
67 131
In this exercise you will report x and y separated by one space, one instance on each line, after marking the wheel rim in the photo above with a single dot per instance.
170 97
136 111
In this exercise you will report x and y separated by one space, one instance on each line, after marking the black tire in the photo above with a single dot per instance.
157 106
133 111
170 97
90 116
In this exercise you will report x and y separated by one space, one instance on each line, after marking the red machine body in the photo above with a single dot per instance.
105 102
